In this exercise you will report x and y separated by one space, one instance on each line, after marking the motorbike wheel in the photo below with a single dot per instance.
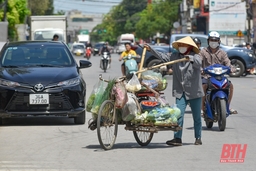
222 114
208 124
104 65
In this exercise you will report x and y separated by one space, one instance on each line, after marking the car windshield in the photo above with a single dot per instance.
36 55
48 35
98 45
78 47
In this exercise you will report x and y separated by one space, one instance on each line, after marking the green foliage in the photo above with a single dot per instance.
157 17
38 7
16 14
133 16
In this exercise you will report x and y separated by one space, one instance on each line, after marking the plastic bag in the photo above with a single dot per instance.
92 96
120 94
151 75
130 109
98 96
150 83
134 84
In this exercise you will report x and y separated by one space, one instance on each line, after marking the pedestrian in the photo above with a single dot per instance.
187 85
214 55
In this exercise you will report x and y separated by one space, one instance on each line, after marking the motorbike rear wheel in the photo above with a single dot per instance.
222 114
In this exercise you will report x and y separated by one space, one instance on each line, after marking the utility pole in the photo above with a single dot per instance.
248 17
5 10
254 19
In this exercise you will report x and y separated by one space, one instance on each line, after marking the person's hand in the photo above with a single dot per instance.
147 46
170 71
120 59
190 58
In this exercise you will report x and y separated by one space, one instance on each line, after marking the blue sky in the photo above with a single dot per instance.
86 6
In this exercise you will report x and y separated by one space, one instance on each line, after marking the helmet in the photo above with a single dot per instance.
197 41
214 35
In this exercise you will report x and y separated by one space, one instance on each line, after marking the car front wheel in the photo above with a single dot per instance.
240 69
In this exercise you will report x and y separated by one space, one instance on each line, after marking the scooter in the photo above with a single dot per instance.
104 62
88 53
131 66
216 101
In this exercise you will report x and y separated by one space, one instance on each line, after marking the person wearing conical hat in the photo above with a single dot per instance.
187 84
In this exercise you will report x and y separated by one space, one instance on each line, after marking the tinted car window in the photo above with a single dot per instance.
24 55
98 45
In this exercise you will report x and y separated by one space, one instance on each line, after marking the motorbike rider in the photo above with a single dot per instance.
197 42
126 53
214 55
105 49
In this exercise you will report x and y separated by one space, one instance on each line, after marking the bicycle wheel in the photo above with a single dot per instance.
107 125
143 138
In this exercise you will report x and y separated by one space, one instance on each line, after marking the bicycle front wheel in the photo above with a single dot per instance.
107 125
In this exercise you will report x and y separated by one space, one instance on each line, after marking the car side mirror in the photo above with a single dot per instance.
233 61
84 64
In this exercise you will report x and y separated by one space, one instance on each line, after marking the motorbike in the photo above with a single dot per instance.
216 101
88 53
104 62
130 65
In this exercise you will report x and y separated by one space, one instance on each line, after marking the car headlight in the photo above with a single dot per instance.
9 83
71 82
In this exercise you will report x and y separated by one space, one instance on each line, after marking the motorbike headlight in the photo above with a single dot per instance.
71 82
8 83
95 49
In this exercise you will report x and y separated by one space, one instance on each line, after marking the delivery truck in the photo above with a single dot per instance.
44 27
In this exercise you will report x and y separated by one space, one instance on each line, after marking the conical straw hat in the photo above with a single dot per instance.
186 40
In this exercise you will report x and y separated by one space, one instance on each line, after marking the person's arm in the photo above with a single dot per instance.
162 56
225 59
121 56
195 60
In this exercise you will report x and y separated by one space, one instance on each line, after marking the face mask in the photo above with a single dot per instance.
183 49
213 44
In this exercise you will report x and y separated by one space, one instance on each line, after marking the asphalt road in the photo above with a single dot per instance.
58 144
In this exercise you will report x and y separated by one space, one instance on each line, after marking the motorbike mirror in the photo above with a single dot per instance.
233 61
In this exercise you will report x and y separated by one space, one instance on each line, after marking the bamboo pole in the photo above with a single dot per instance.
142 61
162 64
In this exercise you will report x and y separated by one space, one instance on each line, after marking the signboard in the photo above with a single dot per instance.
227 16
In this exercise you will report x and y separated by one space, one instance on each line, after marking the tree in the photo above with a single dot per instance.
16 14
37 9
157 17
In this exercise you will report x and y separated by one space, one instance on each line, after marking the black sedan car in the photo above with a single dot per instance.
41 78
96 48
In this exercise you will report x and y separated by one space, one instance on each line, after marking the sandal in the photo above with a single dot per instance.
233 111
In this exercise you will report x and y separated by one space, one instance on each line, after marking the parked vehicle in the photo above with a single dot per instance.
78 49
44 27
41 78
104 62
246 59
216 101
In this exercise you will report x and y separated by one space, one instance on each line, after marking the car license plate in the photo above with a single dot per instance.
78 54
37 99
